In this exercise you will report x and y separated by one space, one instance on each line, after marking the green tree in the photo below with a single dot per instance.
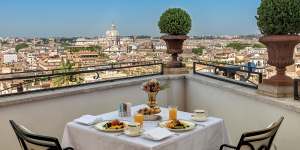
45 41
66 80
257 45
198 51
65 44
237 45
21 46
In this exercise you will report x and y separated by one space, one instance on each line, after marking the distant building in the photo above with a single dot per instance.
52 42
113 36
87 58
9 58
50 63
190 44
86 42
225 55
132 47
113 40
5 70
254 51
31 58
258 60
159 45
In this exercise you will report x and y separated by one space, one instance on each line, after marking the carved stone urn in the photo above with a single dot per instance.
280 52
174 47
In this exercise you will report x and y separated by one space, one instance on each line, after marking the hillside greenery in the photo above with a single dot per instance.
21 46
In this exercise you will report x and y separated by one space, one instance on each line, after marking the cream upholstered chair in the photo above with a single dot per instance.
257 140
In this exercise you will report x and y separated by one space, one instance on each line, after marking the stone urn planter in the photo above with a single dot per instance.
175 24
278 21
280 52
174 47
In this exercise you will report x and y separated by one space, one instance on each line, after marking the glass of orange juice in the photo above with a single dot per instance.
172 112
139 118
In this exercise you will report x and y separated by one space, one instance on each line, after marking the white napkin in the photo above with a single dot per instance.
87 119
157 134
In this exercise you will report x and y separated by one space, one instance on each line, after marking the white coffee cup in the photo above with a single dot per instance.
133 128
200 114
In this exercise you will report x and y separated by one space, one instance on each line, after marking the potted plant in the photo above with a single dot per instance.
279 22
176 24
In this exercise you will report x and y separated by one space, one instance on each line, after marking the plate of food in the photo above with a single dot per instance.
150 114
178 125
111 126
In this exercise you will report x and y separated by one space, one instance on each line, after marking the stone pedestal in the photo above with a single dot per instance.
182 70
275 91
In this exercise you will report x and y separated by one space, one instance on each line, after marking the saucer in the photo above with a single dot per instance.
133 134
199 119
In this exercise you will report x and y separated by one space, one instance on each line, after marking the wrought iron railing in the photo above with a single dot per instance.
41 80
238 74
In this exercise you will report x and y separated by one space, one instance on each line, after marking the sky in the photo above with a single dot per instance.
68 18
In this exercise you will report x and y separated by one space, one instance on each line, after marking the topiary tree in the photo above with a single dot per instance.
279 17
175 21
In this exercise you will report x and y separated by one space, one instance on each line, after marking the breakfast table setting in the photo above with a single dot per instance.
146 127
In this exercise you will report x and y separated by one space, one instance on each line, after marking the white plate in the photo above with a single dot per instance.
199 119
191 126
99 126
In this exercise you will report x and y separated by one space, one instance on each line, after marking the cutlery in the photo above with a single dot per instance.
199 124
118 134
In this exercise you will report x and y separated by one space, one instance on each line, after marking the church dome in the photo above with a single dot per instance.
113 32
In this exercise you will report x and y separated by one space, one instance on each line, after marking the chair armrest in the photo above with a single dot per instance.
229 146
68 148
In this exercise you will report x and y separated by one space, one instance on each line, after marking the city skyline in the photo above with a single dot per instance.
92 18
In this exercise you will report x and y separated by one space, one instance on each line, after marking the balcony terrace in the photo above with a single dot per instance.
242 108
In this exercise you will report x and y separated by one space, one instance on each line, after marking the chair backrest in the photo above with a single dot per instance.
31 141
261 139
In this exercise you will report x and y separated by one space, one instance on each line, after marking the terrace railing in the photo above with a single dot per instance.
42 80
238 74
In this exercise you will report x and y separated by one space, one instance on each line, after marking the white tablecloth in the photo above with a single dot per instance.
208 135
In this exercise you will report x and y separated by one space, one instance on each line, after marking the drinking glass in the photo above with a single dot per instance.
139 118
172 112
